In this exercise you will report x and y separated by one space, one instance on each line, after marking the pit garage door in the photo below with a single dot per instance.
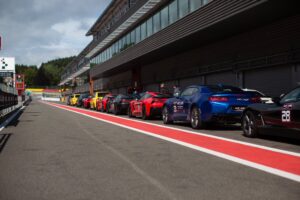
115 91
122 91
151 87
191 81
227 78
272 81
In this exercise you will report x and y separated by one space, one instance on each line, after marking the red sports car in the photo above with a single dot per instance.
101 104
86 102
149 105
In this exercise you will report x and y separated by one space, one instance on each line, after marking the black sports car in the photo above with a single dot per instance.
120 104
280 118
80 99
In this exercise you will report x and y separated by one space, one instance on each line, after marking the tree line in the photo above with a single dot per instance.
48 74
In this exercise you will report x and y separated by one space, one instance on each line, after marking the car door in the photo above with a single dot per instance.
181 104
285 113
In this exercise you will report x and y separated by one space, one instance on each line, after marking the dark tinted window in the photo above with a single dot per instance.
255 93
188 92
217 88
162 96
146 96
292 96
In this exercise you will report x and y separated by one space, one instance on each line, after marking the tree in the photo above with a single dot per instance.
47 75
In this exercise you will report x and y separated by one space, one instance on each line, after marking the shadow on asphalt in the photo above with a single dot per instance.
3 140
281 139
16 120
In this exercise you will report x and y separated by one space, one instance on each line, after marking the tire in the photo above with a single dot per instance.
166 116
249 124
196 121
116 110
129 112
107 108
144 114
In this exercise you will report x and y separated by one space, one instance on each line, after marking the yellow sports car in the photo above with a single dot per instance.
74 99
97 95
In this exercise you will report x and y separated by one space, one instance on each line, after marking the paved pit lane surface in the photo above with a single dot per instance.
56 154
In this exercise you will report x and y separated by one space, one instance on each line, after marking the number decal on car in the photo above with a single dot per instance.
286 116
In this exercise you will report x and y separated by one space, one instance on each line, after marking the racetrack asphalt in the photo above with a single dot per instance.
56 154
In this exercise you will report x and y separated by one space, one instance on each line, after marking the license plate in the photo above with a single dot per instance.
238 108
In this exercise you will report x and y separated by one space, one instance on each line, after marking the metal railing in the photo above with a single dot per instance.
8 97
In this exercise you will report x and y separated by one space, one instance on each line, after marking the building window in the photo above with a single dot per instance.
156 22
164 14
195 4
143 31
123 43
138 34
128 40
132 37
149 26
168 15
183 6
204 2
173 11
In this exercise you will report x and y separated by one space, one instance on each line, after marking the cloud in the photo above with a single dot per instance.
35 31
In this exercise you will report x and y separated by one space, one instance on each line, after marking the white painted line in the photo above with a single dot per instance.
198 133
270 170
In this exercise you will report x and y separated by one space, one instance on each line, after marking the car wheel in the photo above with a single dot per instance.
116 110
144 114
166 116
196 121
129 112
249 125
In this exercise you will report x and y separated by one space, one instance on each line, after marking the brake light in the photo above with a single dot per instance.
218 99
255 100
124 100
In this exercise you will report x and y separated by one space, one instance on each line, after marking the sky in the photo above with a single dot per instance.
36 31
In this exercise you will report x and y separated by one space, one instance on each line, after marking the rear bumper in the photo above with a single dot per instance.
156 111
225 118
123 107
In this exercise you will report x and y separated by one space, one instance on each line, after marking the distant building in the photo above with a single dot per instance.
250 44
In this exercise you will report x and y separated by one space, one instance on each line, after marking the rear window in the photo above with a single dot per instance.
254 93
126 97
162 96
230 89
77 95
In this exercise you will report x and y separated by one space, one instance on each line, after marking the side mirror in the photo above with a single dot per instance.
276 100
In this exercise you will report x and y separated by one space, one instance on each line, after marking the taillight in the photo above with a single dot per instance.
255 100
218 99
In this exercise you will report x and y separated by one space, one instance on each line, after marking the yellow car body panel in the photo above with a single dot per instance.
97 95
74 99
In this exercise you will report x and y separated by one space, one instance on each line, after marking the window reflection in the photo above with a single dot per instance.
160 20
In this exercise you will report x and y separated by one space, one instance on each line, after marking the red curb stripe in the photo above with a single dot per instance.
276 160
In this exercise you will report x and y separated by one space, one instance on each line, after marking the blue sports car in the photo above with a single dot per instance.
202 104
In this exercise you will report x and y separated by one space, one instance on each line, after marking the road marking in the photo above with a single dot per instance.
282 163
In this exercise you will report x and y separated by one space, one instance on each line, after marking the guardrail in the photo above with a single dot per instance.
8 99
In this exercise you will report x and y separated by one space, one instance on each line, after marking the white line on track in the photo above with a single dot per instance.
196 133
270 170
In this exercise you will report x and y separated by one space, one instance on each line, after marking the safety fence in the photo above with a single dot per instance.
8 99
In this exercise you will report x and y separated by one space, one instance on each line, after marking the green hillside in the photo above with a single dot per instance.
48 74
